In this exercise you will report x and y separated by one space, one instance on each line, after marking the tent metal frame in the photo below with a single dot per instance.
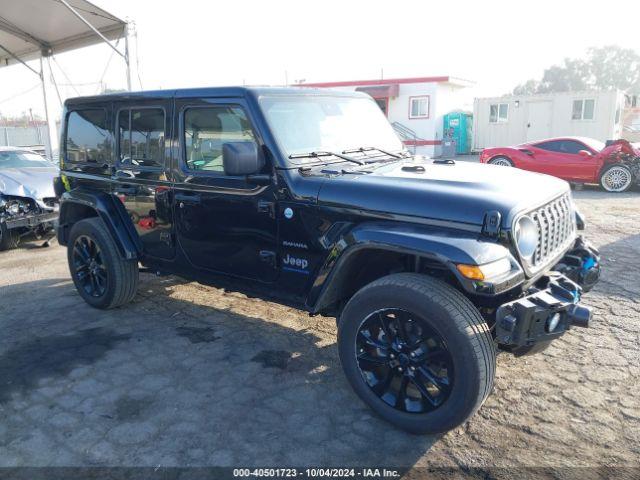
46 51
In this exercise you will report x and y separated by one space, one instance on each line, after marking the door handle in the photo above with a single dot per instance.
126 189
183 199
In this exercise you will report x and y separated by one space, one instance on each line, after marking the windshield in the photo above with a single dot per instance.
18 159
306 123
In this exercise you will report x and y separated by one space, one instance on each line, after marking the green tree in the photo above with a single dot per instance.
603 68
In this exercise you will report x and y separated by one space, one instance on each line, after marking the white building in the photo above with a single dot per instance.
414 106
511 120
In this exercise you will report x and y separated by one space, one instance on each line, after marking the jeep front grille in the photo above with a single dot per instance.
556 230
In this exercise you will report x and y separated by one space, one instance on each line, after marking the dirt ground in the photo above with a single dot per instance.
190 375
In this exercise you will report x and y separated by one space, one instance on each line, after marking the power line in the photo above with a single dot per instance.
138 61
20 94
71 84
106 67
53 80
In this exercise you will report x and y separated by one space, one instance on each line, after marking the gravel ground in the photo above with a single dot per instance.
190 375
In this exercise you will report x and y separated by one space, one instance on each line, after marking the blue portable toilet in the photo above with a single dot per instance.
457 126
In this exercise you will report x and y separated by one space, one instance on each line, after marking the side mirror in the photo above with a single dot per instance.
526 151
241 158
585 153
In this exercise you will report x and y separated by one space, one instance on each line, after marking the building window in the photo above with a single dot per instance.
583 109
498 112
141 137
419 107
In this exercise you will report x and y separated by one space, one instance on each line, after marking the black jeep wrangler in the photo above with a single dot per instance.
307 196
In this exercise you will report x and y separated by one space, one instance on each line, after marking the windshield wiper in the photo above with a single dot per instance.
372 149
319 154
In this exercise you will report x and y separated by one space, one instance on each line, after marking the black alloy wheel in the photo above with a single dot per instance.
103 277
89 266
416 351
404 361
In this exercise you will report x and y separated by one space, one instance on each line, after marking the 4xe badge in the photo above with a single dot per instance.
288 213
294 264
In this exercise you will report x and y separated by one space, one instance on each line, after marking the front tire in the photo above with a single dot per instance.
417 352
9 239
616 178
102 277
502 161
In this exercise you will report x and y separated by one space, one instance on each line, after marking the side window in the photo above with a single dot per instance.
206 129
570 146
553 146
88 139
141 137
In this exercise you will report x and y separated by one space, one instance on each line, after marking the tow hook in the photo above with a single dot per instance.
544 314
579 316
581 264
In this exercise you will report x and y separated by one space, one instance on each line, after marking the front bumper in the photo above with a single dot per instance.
32 220
551 306
581 264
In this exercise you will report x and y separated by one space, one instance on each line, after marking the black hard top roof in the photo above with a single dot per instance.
212 92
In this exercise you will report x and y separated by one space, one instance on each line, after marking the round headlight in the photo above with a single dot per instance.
526 234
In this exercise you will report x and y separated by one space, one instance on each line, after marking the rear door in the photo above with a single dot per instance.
225 224
143 133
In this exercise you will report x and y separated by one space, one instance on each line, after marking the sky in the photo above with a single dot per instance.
190 43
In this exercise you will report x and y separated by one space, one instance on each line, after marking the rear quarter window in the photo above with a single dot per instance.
88 139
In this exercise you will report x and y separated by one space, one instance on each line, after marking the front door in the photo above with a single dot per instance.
143 130
224 224
538 121
562 158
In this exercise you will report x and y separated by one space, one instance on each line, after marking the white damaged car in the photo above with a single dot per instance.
28 204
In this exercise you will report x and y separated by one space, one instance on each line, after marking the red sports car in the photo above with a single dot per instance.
614 165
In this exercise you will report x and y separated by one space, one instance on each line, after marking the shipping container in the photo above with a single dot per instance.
516 119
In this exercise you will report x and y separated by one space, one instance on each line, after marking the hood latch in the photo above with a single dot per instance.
491 224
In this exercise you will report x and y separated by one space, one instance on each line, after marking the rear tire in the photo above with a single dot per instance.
9 239
452 336
102 277
616 178
502 161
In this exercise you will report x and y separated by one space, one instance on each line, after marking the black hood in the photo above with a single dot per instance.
459 192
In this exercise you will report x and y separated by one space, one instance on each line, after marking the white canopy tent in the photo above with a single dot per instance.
37 29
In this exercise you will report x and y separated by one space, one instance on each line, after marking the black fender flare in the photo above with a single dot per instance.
443 246
110 210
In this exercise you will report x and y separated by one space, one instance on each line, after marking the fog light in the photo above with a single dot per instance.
552 322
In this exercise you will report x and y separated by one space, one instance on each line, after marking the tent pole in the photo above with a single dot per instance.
126 55
88 24
48 146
